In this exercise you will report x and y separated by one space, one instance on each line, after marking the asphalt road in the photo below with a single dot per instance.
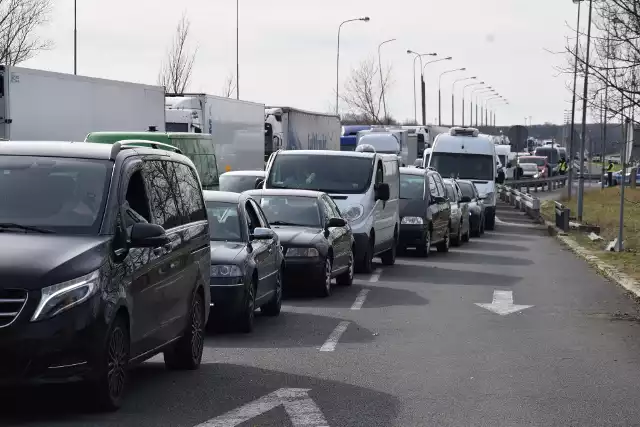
418 352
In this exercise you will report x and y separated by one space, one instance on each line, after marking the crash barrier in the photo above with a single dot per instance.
526 203
562 217
540 184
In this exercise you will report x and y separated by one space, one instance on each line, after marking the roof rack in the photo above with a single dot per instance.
141 143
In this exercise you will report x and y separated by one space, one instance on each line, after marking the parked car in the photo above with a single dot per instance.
239 181
246 260
471 197
530 170
541 162
460 228
317 242
425 213
104 264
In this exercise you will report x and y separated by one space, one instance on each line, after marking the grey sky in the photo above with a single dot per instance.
288 47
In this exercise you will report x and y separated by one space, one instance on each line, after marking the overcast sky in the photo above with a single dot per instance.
288 47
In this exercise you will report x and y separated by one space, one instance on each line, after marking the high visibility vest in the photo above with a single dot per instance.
610 167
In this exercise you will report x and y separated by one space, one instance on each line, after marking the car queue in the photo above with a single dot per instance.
134 259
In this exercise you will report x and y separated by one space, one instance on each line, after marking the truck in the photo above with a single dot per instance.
38 105
236 127
287 128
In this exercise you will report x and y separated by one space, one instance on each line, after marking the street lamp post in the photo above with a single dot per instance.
463 90
440 92
364 19
384 101
573 104
584 118
422 87
75 38
453 100
484 114
424 108
237 49
480 92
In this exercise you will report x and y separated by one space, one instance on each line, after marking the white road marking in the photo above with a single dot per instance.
362 295
375 276
332 341
301 409
502 303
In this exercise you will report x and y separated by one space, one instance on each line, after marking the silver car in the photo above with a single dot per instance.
460 219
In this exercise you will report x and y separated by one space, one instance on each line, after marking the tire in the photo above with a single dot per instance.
457 241
444 245
346 278
186 353
490 222
425 250
110 386
324 285
475 232
273 307
389 257
366 265
467 235
482 226
246 318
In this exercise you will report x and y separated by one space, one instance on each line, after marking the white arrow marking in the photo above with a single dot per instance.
302 411
502 303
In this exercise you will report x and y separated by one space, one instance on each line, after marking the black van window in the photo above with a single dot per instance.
190 194
164 193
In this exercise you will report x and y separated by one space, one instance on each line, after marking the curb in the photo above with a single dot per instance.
610 272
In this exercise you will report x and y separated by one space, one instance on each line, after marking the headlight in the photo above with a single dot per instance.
61 297
302 252
353 213
225 271
414 220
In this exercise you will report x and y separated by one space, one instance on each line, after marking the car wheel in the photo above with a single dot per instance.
491 222
444 245
482 225
389 257
346 278
186 354
111 383
366 265
467 235
457 240
247 316
425 249
325 286
273 307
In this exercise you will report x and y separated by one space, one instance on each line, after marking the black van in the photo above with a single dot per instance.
104 262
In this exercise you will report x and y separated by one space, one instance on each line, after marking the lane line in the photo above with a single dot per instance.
375 276
362 295
332 341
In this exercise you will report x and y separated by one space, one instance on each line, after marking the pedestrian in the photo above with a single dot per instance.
562 167
610 174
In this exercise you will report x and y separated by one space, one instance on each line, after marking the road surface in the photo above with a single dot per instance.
406 346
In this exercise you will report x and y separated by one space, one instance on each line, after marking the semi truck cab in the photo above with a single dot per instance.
184 114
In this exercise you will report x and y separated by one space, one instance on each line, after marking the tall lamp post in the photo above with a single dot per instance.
453 100
440 92
75 38
463 90
484 114
573 104
584 117
363 19
477 92
492 114
384 100
422 87
424 108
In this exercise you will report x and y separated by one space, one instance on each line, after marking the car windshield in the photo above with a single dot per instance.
63 195
464 166
411 186
237 183
291 210
330 174
467 189
539 161
224 221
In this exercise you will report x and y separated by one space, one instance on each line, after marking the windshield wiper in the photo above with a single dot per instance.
282 223
8 225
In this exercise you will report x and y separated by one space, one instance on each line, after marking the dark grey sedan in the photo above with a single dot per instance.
471 197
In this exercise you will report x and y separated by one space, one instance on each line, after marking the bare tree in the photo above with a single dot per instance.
230 86
363 92
19 20
176 69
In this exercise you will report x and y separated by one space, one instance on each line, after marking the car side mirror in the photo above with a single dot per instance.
260 233
145 235
465 199
336 222
259 183
382 191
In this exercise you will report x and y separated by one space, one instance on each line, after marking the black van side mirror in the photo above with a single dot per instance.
382 191
145 235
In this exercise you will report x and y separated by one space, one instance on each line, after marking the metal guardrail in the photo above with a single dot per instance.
527 203
544 184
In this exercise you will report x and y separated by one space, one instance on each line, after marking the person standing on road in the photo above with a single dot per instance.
562 167
610 174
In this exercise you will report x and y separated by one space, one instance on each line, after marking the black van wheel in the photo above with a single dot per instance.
186 354
112 380
273 307
425 249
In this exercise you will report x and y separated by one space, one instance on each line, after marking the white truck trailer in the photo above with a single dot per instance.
287 128
237 127
41 105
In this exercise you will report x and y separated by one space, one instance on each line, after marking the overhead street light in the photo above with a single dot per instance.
440 92
384 101
486 107
476 92
363 19
453 102
463 90
422 86
424 67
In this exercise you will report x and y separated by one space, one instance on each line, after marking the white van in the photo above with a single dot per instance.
387 141
506 157
463 154
365 186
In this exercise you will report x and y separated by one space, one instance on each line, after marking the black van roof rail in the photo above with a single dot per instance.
141 143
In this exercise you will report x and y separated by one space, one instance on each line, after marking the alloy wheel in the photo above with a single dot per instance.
117 363
197 329
327 276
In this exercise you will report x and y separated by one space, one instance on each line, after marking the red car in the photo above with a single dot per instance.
540 161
